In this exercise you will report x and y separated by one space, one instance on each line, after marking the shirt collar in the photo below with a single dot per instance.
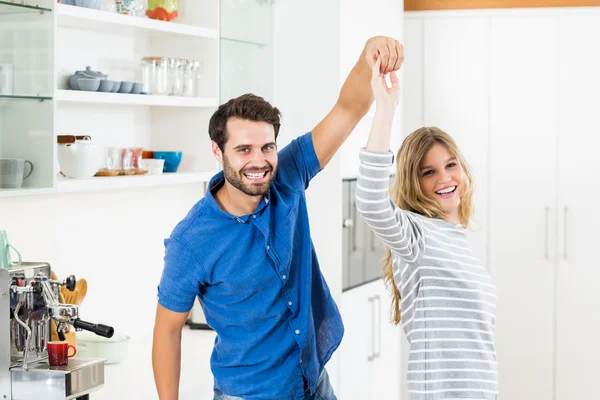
215 183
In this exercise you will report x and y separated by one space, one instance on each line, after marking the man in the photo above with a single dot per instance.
245 251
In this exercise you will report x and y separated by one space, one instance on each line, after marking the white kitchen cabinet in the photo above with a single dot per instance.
539 82
355 351
26 90
544 112
370 351
386 373
523 160
578 272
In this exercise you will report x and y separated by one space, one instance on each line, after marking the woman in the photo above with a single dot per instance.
446 298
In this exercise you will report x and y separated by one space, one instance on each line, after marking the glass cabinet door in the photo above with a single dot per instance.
26 51
246 48
26 93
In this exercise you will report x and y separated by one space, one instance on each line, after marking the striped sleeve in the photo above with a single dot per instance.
399 230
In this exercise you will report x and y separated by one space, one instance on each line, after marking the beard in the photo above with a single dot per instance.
236 179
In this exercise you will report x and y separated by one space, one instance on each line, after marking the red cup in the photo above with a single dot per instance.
58 353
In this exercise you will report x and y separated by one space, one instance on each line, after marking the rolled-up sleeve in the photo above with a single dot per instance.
182 276
298 162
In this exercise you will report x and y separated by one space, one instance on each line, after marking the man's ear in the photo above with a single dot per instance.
217 152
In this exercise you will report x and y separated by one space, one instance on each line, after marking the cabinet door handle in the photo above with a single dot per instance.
546 233
372 234
353 237
377 311
371 356
565 231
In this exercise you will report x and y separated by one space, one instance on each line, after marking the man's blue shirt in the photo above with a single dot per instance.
259 283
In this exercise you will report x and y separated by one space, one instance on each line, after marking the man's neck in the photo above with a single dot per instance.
236 202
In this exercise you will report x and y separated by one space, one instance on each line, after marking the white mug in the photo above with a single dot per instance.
6 79
154 167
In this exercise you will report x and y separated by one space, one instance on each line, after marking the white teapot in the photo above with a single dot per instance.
80 159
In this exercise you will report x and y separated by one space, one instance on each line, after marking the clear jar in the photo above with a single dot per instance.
199 65
176 76
156 75
189 78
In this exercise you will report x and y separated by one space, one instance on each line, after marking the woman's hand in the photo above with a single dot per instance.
386 98
386 101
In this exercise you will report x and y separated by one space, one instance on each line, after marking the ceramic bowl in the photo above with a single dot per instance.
137 88
113 349
106 85
126 87
116 86
172 159
90 85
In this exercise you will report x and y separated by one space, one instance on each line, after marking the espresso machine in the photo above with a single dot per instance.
29 306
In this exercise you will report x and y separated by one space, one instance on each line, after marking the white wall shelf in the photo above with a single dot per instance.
97 20
78 96
66 185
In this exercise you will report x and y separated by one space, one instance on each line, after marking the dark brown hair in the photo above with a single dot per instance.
247 106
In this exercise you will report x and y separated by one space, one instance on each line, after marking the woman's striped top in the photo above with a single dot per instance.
448 304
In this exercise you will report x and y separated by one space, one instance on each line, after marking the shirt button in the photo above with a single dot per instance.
289 303
268 247
300 361
253 216
284 277
297 332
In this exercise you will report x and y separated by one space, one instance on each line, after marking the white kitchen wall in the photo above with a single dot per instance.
306 87
359 21
114 240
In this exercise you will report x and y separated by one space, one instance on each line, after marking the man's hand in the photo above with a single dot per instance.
356 96
389 50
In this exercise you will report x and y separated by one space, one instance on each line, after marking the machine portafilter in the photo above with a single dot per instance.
69 313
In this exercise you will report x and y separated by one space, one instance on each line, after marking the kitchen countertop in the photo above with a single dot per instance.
133 378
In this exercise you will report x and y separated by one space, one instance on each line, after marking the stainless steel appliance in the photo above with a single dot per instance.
28 305
196 319
362 251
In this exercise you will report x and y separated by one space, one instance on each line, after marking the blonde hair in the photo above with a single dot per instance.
406 191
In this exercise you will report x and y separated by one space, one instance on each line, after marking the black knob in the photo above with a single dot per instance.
71 282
